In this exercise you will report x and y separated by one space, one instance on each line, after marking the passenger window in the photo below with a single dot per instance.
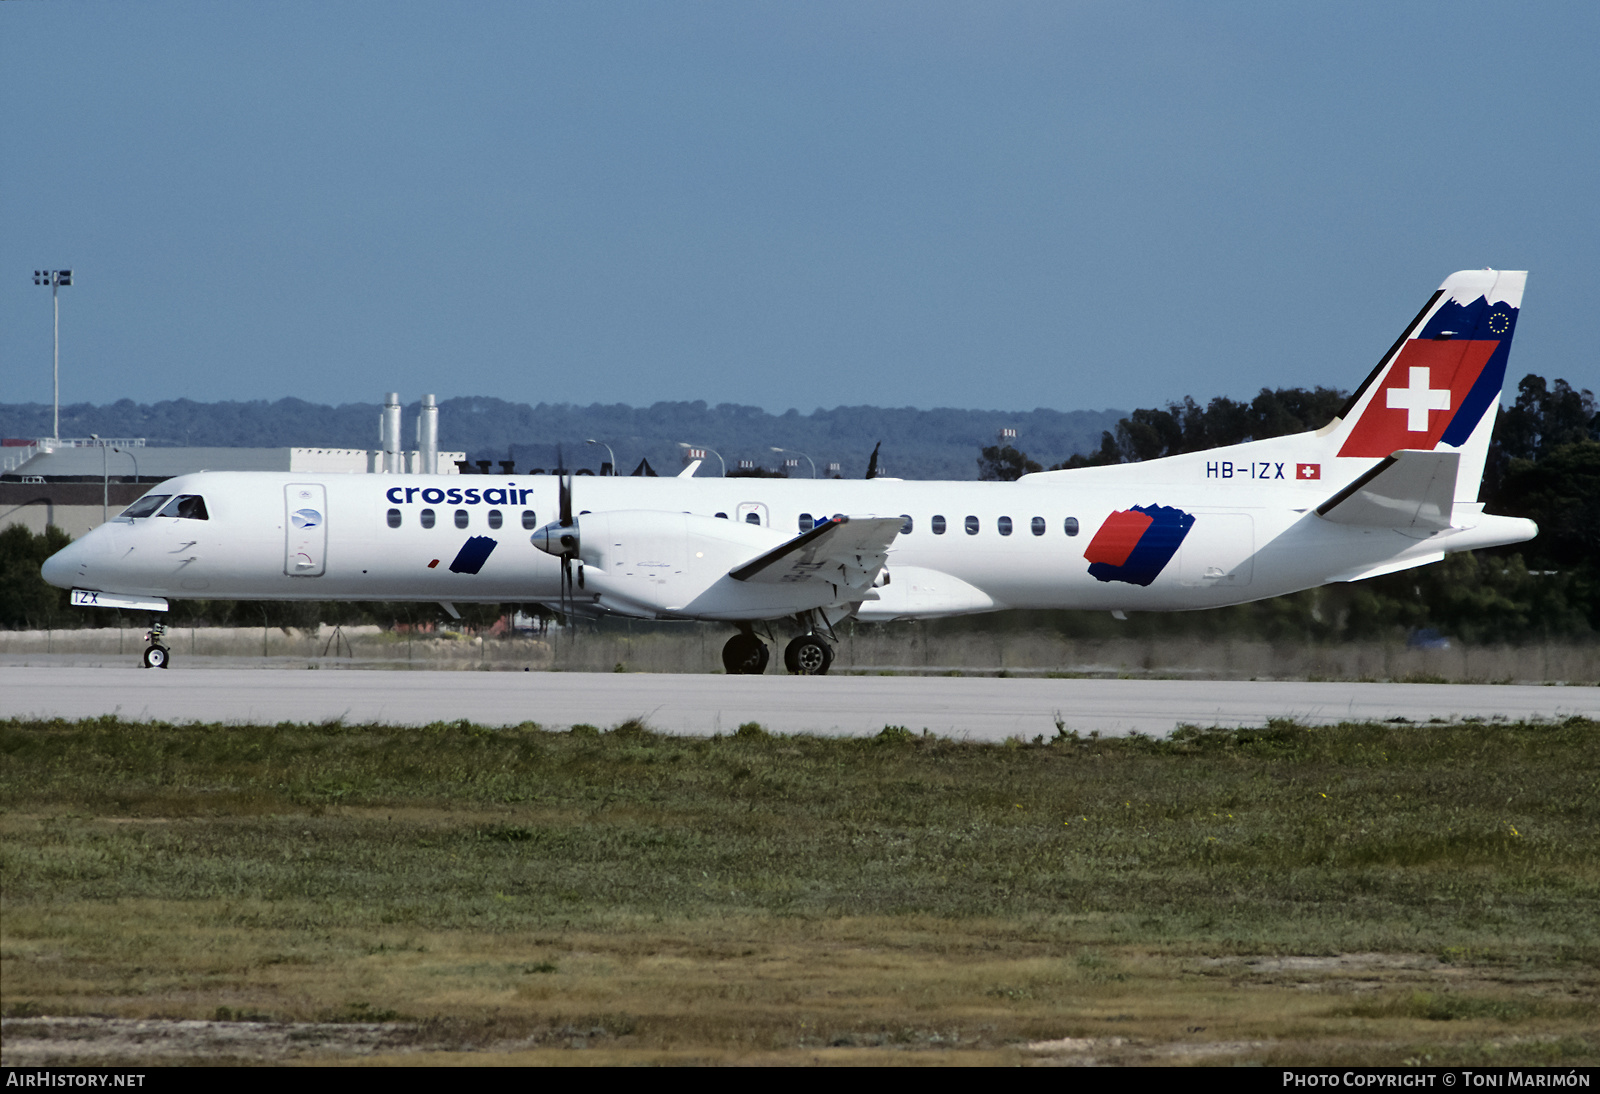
1038 526
529 520
494 518
905 527
806 523
187 506
752 518
972 526
427 518
394 518
146 505
1003 525
461 518
722 516
937 524
1071 526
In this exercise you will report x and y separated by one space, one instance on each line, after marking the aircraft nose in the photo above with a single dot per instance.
60 568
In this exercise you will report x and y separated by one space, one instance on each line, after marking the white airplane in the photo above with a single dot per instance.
1389 484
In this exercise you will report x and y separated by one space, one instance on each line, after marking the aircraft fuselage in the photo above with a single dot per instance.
966 547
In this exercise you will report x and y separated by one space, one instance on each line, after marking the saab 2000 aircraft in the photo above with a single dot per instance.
1390 483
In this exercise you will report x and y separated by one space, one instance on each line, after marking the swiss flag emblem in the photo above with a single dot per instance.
1308 471
1422 391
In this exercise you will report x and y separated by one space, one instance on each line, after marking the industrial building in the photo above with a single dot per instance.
78 483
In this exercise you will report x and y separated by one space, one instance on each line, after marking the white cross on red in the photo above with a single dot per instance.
1418 399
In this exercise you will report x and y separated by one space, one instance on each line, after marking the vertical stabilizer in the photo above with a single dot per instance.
1438 388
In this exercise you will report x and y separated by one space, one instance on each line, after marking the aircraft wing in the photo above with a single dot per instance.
844 551
1411 490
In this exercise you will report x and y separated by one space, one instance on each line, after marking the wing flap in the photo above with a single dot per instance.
843 551
1410 490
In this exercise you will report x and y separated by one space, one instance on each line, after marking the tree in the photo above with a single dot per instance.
1150 433
1560 493
26 599
1545 418
1005 464
1108 454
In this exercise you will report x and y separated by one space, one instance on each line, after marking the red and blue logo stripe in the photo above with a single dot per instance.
1135 545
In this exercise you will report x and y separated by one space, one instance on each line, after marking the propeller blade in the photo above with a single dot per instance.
566 500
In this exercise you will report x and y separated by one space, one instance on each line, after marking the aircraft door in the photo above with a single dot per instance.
753 512
305 529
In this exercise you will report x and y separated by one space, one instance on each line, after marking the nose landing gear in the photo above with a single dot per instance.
157 656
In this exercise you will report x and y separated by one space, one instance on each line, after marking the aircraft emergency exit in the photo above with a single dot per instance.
1390 483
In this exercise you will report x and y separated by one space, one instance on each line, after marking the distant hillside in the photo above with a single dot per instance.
921 444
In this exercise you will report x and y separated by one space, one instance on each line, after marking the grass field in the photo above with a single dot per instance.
1357 894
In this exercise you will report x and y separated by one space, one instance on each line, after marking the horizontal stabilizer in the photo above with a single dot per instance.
848 551
1391 566
1409 491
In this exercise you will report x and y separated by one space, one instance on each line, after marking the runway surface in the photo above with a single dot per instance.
978 708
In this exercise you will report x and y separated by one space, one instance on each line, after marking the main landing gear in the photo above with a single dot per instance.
747 655
157 656
808 655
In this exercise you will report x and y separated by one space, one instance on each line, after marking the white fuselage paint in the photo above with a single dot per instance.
1255 535
1396 479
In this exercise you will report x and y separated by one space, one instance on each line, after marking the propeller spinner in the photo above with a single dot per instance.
560 539
557 539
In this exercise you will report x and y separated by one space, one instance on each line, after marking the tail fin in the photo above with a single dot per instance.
1438 387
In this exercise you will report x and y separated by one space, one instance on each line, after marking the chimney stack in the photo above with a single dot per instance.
428 437
389 434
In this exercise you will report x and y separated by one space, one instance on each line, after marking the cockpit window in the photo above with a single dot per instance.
145 506
187 506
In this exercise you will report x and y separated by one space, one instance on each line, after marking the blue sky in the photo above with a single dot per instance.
984 205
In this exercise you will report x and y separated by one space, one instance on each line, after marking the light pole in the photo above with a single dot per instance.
135 460
610 453
713 451
105 479
797 452
56 279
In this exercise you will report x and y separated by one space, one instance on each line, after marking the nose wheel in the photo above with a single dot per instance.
745 655
808 655
156 656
